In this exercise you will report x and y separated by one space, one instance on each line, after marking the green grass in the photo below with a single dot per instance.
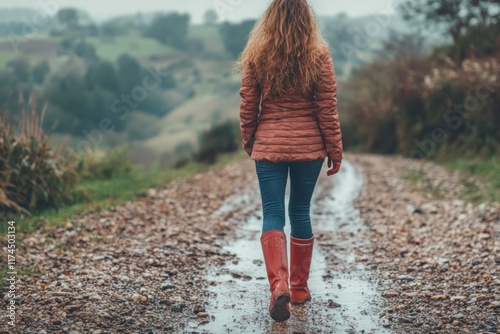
5 57
136 46
105 193
419 180
480 179
210 37
21 271
416 177
487 171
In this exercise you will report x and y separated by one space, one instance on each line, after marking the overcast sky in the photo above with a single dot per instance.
241 9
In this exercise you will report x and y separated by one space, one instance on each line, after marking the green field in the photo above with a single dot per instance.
210 37
136 46
111 48
5 57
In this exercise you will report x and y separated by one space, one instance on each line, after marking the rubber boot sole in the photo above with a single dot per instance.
279 311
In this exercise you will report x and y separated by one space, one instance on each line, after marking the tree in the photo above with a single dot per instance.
235 36
68 17
456 16
40 71
86 51
21 69
103 75
211 17
129 72
171 29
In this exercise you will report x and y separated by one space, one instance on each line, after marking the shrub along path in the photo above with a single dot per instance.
141 267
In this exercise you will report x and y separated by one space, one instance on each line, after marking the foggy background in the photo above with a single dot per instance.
101 10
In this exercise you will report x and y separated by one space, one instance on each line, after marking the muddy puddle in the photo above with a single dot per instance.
344 295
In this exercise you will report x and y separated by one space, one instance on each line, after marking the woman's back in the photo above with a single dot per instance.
290 126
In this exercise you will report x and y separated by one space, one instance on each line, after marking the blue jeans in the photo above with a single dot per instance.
272 182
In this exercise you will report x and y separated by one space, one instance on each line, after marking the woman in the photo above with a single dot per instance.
289 125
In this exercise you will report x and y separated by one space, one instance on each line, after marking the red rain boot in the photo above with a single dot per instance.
300 263
275 256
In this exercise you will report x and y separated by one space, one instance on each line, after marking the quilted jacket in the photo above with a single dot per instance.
293 127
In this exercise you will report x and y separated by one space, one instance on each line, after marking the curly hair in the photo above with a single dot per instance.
284 48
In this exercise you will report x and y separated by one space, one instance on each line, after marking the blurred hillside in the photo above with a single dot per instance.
85 72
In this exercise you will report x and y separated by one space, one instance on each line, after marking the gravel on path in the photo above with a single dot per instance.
437 257
141 267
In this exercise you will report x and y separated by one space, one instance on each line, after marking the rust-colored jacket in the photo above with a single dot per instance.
287 128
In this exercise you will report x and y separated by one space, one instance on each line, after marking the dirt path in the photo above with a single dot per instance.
344 292
186 259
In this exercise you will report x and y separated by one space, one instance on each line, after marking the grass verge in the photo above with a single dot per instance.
419 180
481 179
105 193
102 194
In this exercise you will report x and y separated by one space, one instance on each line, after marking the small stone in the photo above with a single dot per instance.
139 281
456 323
139 298
198 308
241 276
405 278
386 323
42 332
484 236
177 307
72 308
481 298
458 298
165 302
202 315
390 294
495 304
332 304
74 332
404 320
458 316
166 286
94 297
437 297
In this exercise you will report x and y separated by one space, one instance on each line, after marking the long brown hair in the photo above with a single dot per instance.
284 48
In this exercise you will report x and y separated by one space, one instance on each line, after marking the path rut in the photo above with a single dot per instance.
344 292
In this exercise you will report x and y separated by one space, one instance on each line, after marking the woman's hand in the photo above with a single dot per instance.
334 167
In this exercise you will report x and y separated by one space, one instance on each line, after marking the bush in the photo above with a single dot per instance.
33 175
101 165
418 107
221 138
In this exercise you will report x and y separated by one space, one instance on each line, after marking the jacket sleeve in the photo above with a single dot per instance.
328 118
249 109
